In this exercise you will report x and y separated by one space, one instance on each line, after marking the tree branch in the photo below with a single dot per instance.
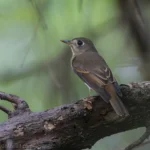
5 110
76 126
132 16
140 140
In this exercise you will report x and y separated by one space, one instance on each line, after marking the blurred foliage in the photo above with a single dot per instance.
35 65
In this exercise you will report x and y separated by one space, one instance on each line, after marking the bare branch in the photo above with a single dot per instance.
20 105
140 140
5 110
76 126
10 98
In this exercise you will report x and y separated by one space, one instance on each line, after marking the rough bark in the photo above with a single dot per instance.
78 125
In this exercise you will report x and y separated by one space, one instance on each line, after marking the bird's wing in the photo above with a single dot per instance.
94 71
93 64
93 82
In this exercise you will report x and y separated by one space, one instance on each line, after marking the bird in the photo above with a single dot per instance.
93 70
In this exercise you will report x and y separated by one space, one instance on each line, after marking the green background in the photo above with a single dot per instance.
35 65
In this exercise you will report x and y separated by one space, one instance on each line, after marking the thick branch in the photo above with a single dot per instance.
77 126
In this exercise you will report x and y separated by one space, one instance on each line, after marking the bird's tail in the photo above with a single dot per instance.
118 106
116 102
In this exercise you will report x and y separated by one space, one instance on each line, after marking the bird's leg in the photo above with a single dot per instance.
89 92
87 101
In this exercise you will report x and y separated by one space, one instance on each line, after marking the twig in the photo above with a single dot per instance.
20 106
36 5
7 111
144 143
140 140
10 98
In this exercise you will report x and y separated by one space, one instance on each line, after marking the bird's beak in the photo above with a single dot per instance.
66 41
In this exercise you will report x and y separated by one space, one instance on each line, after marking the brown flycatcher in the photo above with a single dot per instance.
90 66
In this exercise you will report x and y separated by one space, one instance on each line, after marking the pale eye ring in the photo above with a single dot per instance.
80 43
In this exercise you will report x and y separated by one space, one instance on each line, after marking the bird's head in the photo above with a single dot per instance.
80 45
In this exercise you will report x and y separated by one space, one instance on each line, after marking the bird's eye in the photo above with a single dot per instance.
80 43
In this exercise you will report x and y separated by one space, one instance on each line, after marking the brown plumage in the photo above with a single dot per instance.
94 71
